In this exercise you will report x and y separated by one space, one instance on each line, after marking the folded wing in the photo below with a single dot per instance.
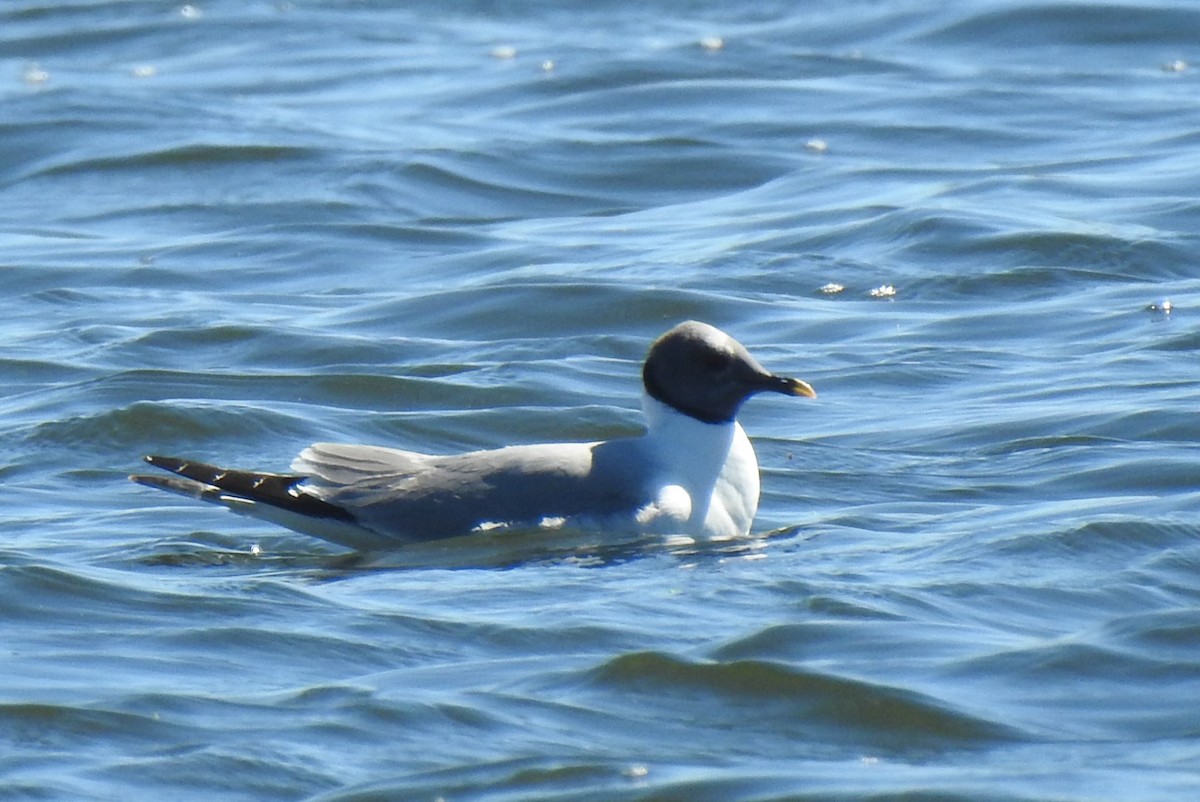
369 497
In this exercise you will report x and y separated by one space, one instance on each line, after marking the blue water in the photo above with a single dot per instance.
232 228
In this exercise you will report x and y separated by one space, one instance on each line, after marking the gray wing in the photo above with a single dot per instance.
340 465
412 496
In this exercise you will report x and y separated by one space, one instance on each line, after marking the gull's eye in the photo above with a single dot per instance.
717 361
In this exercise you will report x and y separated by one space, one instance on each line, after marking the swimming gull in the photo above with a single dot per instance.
693 472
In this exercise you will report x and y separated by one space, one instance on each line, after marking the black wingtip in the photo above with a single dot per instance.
174 484
198 471
214 483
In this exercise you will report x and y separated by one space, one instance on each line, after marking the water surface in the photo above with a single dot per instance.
230 229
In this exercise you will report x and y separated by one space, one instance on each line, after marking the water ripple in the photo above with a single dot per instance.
782 696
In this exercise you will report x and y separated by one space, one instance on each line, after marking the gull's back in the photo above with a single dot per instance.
405 496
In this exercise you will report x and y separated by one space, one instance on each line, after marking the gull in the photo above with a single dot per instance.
692 472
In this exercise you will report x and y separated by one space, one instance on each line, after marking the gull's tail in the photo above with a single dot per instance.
274 497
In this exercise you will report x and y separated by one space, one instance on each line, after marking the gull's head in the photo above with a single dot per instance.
702 372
